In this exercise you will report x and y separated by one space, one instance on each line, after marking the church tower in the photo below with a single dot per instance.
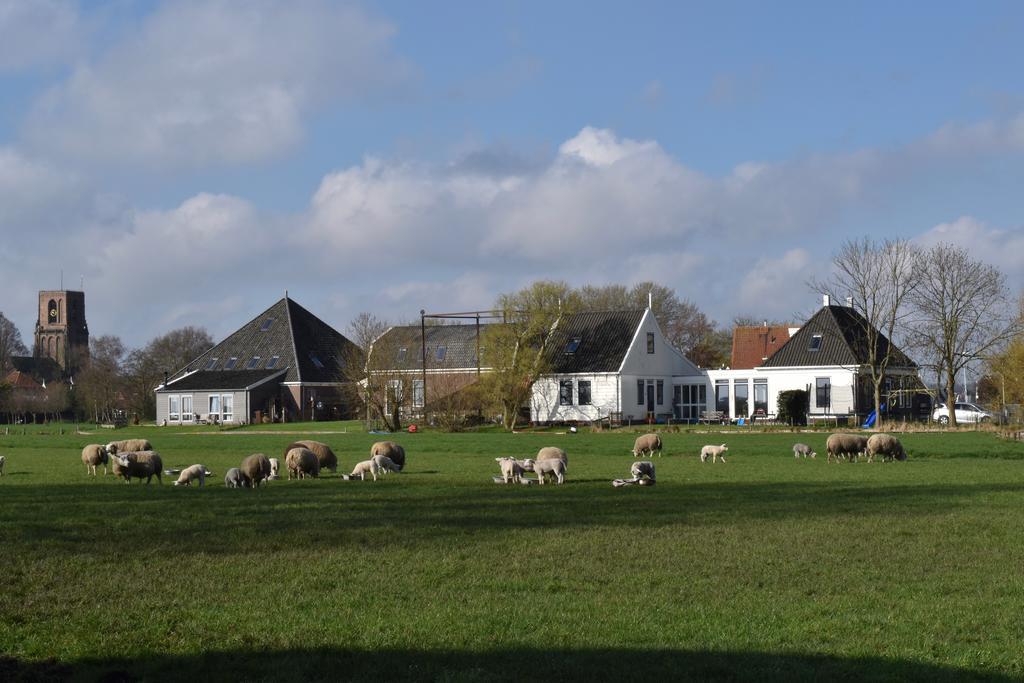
61 331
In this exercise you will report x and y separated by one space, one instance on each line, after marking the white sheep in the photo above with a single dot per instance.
886 445
642 469
302 462
363 468
385 464
93 455
275 469
845 446
234 479
511 469
141 465
647 445
190 474
802 449
391 450
128 446
713 452
554 467
255 468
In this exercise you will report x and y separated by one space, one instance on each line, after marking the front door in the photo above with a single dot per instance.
650 397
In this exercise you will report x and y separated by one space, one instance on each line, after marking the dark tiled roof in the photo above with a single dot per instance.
459 342
292 333
844 338
604 339
220 380
752 345
41 369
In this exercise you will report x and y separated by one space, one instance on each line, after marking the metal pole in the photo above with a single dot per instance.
423 352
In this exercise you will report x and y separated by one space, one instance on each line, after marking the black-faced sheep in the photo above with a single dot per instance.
129 446
256 468
802 449
713 452
234 479
845 446
647 445
886 445
328 460
94 455
391 450
190 474
139 465
302 462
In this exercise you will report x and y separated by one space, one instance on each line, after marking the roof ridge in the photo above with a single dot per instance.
291 337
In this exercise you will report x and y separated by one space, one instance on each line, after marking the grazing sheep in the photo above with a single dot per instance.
234 479
713 452
190 474
256 468
511 469
139 465
802 449
845 445
363 468
553 453
647 445
887 446
3 461
642 469
93 455
391 450
385 464
302 462
129 446
275 469
323 453
552 466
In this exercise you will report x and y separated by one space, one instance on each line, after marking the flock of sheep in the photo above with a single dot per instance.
136 459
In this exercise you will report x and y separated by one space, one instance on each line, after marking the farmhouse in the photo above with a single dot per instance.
284 364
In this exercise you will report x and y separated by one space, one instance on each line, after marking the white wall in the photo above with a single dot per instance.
545 406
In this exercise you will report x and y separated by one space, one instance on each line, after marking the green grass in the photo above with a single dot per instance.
762 568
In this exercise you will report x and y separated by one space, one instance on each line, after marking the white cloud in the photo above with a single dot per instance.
218 82
37 33
1003 248
767 288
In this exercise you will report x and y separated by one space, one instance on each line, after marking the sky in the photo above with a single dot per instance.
186 163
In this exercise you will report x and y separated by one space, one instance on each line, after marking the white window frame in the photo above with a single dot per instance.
417 393
187 415
174 408
227 407
213 402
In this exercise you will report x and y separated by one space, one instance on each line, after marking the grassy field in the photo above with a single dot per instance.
762 568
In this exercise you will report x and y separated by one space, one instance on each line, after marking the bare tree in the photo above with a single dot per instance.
100 384
879 279
365 328
144 368
389 383
10 342
963 311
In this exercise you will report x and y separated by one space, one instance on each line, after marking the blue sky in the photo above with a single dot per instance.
192 160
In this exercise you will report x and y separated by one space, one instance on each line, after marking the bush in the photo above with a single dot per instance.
793 405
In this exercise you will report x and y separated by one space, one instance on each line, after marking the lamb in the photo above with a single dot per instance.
328 460
140 465
255 468
642 469
275 469
511 469
391 450
802 449
552 466
363 468
129 446
190 474
845 445
713 452
234 479
94 455
302 462
887 446
385 464
647 445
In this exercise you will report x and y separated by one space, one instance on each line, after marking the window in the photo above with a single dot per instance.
565 392
650 344
266 324
573 344
823 392
815 343
442 351
661 391
210 365
722 396
741 392
760 397
693 399
402 353
417 393
583 391
272 363
253 363
394 394
174 408
639 392
228 403
214 405
186 409
230 365
316 361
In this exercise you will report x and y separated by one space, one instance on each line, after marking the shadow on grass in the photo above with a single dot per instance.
95 520
512 664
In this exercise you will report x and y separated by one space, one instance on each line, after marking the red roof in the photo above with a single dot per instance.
752 346
19 380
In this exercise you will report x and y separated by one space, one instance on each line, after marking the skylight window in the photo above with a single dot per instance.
272 363
815 343
213 362
316 361
230 365
573 344
266 324
253 363
442 351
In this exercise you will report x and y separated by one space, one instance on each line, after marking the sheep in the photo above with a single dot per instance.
647 445
128 446
553 453
275 469
323 453
845 445
3 461
391 450
511 469
302 462
140 465
385 464
234 479
713 452
94 455
190 474
552 466
363 468
802 449
642 469
256 468
887 446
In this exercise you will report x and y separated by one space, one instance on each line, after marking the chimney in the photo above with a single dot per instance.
826 300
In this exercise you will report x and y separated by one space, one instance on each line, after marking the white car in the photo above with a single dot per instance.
965 413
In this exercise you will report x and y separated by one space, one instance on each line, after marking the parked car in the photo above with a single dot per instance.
965 412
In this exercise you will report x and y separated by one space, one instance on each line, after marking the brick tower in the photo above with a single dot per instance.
61 331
